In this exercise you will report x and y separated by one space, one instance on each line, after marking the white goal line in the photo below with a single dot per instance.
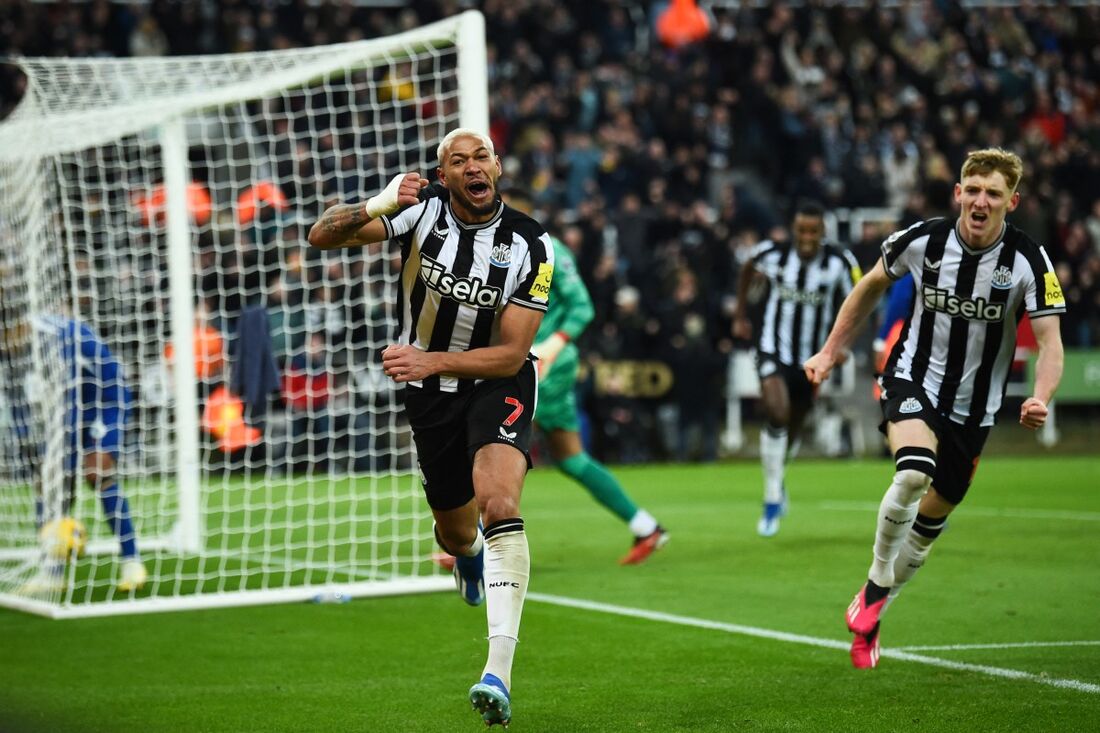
761 633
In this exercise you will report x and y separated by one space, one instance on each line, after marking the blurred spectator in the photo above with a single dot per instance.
307 387
208 351
1092 226
900 166
698 368
651 160
148 39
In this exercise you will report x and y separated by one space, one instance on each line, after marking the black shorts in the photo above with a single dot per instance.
450 427
800 391
960 446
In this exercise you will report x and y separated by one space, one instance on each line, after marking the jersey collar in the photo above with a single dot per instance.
979 252
483 225
817 259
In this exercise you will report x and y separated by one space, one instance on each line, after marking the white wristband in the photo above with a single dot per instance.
386 201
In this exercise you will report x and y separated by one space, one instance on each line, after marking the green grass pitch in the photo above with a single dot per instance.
1014 578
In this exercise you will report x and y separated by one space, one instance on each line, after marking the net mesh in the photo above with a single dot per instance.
307 472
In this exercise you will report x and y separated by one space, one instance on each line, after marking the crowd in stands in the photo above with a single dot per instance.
659 164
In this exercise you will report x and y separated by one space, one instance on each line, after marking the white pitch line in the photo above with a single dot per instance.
755 631
1005 645
862 506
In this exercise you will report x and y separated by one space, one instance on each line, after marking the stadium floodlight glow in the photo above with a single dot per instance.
157 200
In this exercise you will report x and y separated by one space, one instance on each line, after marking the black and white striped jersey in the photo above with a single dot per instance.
804 298
456 278
960 339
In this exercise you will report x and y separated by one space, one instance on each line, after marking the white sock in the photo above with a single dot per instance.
794 447
476 545
507 567
773 454
914 551
501 651
915 468
643 524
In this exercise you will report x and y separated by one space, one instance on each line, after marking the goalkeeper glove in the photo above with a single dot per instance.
548 349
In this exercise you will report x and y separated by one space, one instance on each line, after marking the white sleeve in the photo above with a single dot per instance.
403 221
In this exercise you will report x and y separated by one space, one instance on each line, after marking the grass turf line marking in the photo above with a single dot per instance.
1004 645
755 631
861 506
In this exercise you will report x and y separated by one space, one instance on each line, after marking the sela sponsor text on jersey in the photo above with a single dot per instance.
961 362
975 309
805 297
470 290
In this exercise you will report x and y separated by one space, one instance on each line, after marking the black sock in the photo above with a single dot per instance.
874 593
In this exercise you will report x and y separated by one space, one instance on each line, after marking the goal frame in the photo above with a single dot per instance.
186 537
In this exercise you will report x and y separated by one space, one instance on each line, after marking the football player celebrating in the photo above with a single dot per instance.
944 379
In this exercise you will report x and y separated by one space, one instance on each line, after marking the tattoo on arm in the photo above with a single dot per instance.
344 219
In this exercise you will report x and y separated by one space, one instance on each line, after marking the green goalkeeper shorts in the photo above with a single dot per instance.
557 405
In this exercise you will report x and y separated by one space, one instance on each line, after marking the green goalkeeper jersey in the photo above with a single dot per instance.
570 310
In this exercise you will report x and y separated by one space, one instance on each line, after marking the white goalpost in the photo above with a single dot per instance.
163 204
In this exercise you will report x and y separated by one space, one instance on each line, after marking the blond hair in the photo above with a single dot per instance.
451 136
994 160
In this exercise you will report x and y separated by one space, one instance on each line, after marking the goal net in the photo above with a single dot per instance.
153 215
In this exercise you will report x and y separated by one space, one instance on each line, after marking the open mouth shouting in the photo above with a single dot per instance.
478 195
479 192
977 220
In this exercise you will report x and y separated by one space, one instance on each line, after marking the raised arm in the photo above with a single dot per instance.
1048 370
518 326
350 225
855 310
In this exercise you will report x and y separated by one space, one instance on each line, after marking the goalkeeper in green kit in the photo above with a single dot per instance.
569 313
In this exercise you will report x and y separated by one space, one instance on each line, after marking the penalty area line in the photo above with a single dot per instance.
761 633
